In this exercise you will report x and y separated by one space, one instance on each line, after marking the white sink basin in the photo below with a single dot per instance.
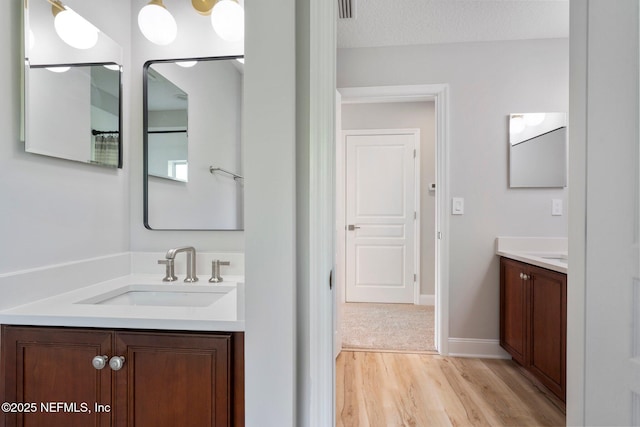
161 295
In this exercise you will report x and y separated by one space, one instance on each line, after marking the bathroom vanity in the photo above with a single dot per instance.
116 377
131 351
533 313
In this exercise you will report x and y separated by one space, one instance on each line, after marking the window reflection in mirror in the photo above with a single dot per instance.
72 85
189 181
538 150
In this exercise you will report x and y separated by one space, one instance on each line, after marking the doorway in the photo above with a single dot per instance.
438 296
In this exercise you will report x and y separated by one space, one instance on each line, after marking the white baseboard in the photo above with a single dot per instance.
481 348
426 299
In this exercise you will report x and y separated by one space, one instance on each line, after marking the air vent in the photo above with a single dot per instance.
346 9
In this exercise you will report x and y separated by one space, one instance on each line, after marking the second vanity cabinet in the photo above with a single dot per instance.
166 378
533 321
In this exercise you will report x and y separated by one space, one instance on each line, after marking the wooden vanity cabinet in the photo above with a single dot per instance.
167 379
533 321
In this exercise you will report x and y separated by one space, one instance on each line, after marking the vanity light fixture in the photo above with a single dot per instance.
157 24
72 28
227 19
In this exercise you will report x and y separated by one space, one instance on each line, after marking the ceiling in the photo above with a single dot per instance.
408 22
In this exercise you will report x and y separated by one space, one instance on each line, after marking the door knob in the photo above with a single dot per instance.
352 227
116 363
99 362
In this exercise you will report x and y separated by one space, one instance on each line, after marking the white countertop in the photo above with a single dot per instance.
549 253
225 314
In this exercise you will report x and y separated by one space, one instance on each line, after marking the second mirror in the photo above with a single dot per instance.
193 144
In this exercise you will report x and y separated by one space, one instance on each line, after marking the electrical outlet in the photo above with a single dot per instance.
556 207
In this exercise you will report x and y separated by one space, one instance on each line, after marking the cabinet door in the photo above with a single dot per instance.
513 310
173 380
51 368
549 329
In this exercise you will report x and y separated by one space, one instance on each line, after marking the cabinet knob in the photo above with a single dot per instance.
99 362
116 363
526 277
521 275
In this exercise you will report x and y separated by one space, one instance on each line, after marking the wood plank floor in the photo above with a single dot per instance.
392 389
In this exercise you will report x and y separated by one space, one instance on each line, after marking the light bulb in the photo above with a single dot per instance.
227 19
516 124
157 24
534 119
186 64
58 69
74 30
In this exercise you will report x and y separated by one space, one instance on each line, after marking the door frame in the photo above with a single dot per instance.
341 215
415 93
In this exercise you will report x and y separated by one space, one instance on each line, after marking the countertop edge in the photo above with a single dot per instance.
534 260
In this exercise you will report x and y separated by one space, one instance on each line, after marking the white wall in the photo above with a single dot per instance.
602 330
52 210
488 81
54 131
404 115
270 214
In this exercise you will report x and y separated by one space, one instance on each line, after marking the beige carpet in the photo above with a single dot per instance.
388 327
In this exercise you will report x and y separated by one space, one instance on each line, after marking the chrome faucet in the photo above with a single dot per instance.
191 261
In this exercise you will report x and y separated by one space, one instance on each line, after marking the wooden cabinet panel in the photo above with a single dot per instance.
533 321
49 367
513 310
549 328
173 380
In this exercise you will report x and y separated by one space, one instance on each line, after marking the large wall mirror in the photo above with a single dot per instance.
193 176
538 150
72 84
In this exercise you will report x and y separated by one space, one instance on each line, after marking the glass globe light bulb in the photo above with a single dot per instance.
227 19
74 30
157 24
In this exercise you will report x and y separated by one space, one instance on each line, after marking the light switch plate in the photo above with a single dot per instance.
556 207
457 206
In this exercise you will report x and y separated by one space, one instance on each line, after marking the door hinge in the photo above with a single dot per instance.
415 215
415 277
439 235
414 153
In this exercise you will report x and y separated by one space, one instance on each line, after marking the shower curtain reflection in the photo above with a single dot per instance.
105 148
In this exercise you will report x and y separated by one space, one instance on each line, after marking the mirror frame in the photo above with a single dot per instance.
145 137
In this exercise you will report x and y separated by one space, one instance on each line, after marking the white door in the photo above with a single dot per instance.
381 215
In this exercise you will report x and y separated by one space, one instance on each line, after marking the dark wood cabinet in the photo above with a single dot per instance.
533 321
167 378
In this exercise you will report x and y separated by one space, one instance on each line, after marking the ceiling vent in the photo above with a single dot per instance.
346 9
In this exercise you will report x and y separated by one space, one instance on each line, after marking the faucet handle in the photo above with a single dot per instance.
215 270
169 275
